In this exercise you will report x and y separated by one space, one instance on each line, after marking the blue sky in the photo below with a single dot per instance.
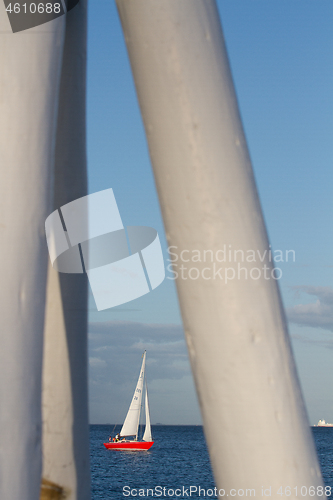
281 58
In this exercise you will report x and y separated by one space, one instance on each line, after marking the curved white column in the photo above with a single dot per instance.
65 406
30 64
254 417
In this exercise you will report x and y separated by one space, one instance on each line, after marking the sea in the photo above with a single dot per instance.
177 461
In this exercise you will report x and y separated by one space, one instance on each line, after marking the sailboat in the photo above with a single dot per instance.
128 438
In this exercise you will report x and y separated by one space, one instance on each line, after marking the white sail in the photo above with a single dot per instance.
131 424
147 434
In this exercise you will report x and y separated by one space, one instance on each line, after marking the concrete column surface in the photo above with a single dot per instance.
254 417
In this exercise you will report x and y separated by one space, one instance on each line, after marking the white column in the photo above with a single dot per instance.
65 407
30 63
254 417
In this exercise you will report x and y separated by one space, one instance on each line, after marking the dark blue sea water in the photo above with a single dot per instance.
178 457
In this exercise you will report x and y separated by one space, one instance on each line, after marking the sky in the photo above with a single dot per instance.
280 53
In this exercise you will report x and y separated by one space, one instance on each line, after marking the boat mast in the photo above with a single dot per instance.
143 379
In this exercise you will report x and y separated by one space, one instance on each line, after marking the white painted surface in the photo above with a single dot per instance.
30 64
58 419
255 422
65 407
55 236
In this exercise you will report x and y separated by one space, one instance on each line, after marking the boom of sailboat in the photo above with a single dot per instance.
128 437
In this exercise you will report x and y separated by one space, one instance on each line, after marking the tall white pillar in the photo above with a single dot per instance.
30 63
255 422
65 406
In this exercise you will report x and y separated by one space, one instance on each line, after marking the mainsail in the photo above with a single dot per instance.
131 424
147 434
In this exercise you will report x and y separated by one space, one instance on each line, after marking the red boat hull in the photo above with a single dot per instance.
129 445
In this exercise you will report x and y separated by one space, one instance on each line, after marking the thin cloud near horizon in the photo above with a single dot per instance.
318 314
